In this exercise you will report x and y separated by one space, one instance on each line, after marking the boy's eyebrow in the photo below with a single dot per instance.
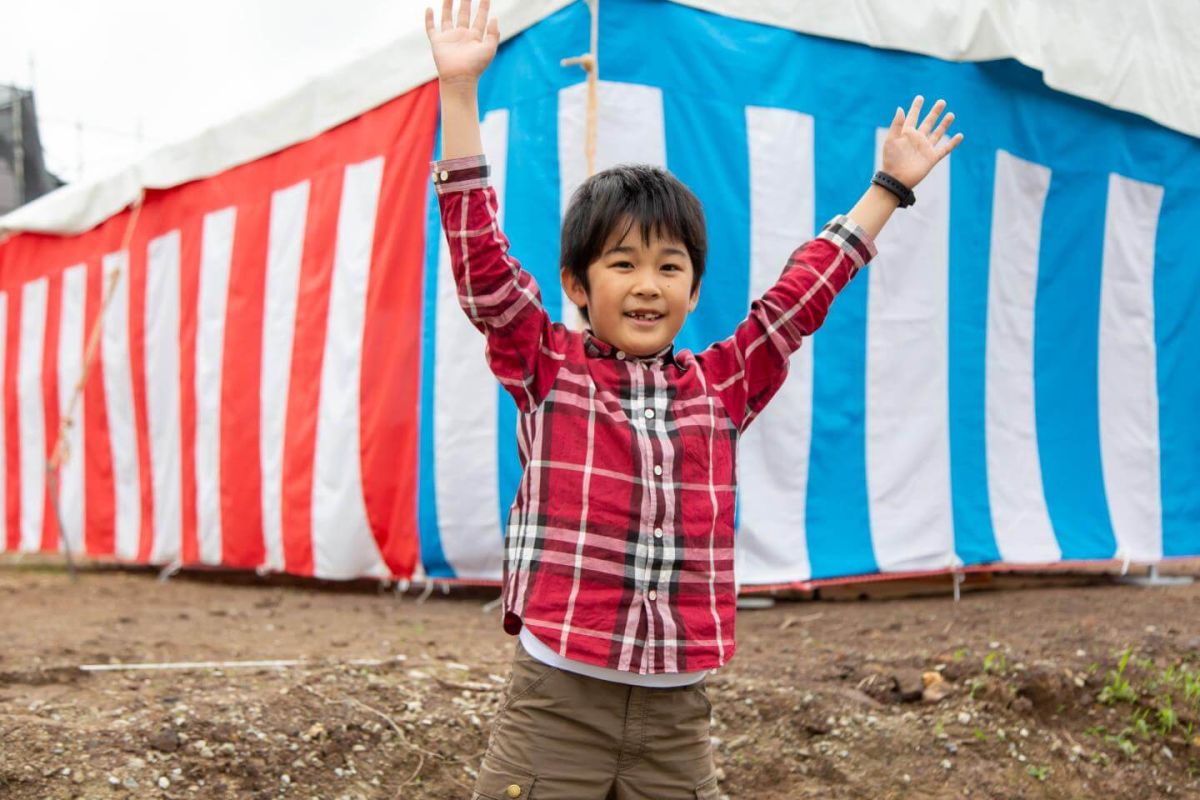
624 248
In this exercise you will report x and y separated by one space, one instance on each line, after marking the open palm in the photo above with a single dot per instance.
910 150
462 49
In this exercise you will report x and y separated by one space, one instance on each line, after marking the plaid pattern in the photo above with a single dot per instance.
619 547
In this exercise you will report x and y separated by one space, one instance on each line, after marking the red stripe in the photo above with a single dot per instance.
241 482
50 532
391 351
99 490
12 435
189 294
304 383
136 277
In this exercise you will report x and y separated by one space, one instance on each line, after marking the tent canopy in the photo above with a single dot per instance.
1137 57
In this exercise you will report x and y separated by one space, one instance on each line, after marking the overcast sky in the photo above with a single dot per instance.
115 78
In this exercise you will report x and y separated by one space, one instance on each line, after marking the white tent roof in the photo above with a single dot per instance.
1134 56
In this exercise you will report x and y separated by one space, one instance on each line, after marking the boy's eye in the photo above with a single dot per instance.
622 264
672 267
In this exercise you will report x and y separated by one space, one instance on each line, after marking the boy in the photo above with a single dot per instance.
618 575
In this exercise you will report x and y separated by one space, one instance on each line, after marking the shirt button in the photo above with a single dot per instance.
653 595
621 355
658 533
513 790
658 469
444 175
649 413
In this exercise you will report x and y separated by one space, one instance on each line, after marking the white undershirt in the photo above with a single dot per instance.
661 680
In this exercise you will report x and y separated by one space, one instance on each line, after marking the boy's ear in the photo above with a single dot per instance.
695 297
571 286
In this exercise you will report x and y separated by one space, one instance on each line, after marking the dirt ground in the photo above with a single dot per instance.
1045 692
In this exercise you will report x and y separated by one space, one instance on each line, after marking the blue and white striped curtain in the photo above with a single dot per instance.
1016 378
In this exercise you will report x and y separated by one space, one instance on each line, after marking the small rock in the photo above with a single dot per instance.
947 763
1166 751
164 783
285 779
166 741
964 718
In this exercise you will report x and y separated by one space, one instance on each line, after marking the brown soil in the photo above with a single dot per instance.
824 699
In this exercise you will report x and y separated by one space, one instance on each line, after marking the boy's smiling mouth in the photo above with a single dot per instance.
644 319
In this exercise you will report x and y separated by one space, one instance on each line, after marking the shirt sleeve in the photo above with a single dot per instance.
500 298
747 369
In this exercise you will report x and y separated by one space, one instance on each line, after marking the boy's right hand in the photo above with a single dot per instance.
462 49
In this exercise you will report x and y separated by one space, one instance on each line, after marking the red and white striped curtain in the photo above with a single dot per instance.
254 399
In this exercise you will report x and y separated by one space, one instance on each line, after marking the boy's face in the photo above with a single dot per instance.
639 293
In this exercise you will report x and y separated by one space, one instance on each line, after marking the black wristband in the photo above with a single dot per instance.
903 193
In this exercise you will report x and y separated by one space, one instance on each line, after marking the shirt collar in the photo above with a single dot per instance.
598 348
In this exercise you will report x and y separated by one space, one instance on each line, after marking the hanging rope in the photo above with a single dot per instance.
590 62
62 448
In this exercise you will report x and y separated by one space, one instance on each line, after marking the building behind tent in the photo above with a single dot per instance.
23 173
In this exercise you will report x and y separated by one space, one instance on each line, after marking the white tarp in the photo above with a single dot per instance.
1140 57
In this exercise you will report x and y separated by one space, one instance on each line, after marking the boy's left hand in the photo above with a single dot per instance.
910 150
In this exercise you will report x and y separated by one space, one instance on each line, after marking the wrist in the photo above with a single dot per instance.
882 195
459 88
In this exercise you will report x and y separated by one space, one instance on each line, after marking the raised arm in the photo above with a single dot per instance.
749 367
501 299
462 50
910 151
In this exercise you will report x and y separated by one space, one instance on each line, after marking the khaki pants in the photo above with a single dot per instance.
563 736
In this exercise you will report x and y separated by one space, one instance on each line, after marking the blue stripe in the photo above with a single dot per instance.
433 557
1177 335
839 526
707 150
531 221
527 81
972 176
1065 358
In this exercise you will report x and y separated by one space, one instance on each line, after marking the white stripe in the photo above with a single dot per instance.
118 404
30 411
466 404
162 393
343 545
772 543
1020 519
629 129
70 368
3 426
1128 381
216 253
285 246
908 395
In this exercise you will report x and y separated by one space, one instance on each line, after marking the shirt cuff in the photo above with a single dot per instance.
853 240
460 174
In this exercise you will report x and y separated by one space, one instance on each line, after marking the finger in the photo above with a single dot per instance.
931 117
914 112
493 31
429 22
447 14
897 122
464 13
481 17
940 130
949 145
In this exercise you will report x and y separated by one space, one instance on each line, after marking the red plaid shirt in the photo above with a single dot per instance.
619 547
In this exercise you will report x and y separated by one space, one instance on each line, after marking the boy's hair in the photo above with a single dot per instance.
638 194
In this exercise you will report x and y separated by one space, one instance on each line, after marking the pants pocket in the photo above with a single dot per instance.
499 780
